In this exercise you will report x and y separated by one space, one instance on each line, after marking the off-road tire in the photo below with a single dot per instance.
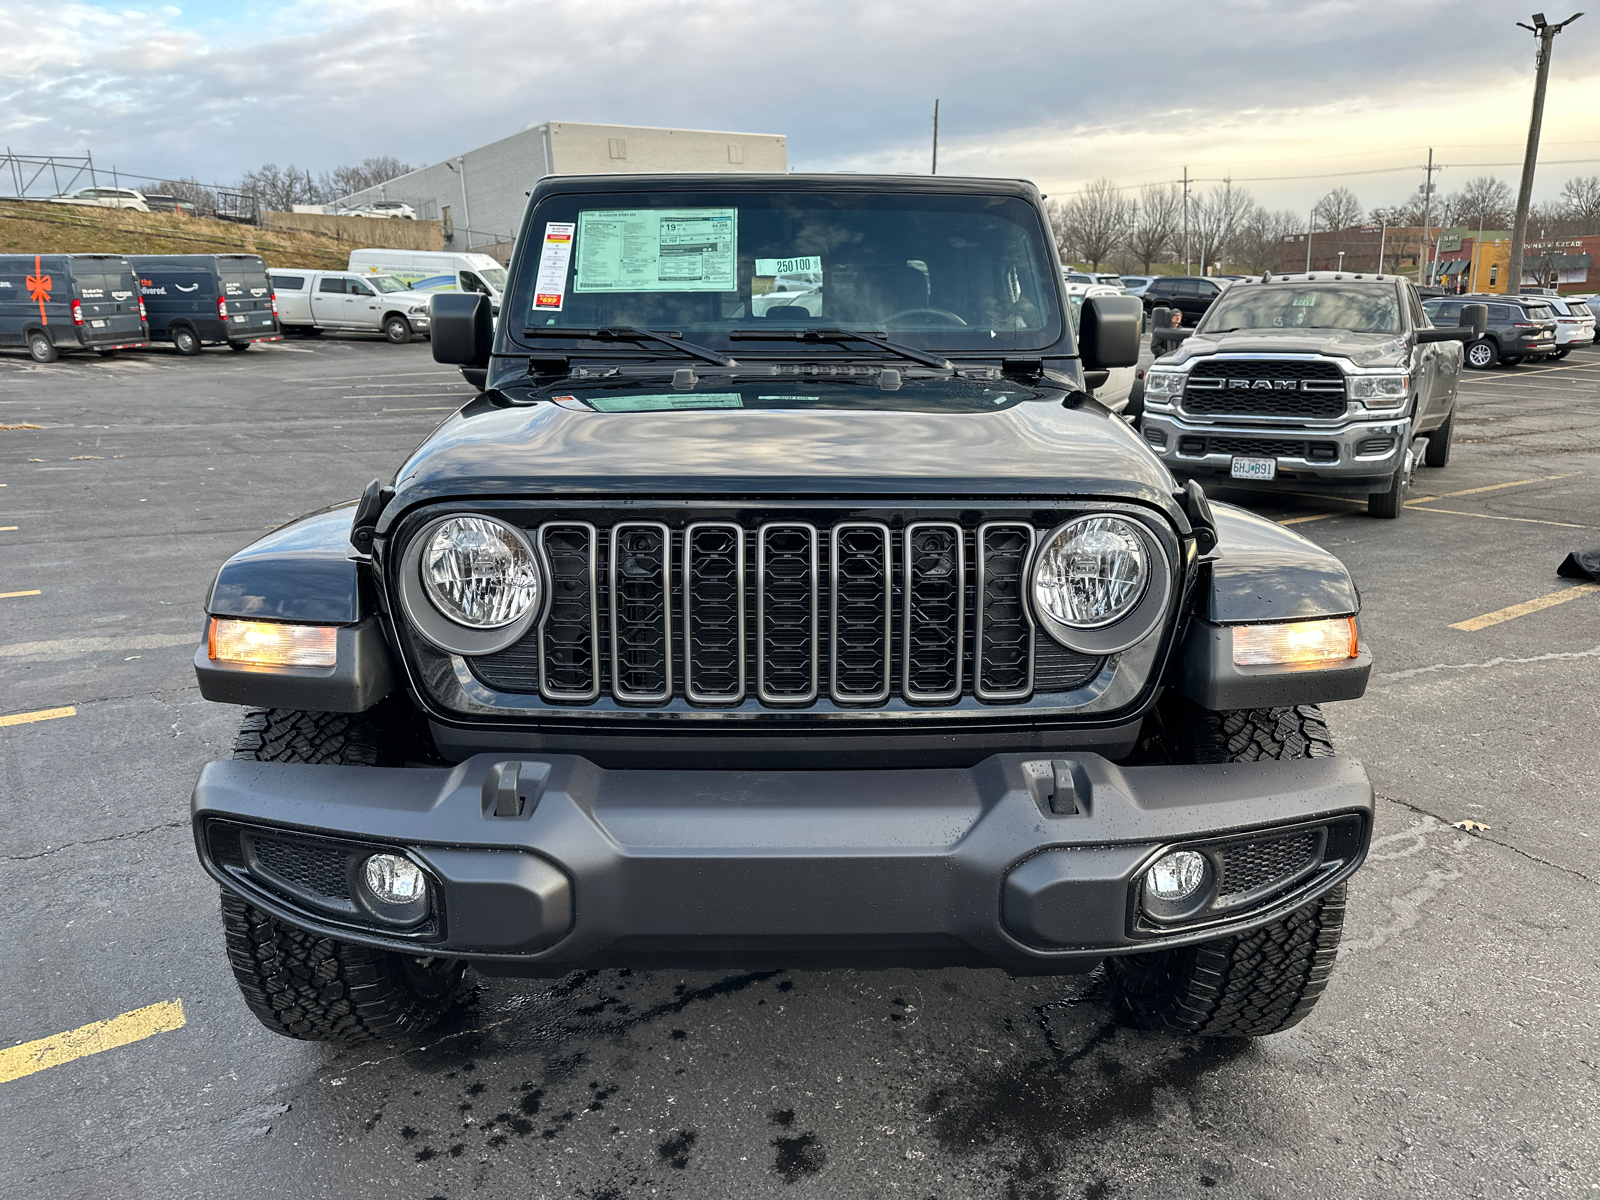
1438 452
1482 354
41 349
397 330
317 989
186 341
1255 983
306 985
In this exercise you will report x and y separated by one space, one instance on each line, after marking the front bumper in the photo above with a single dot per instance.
684 869
1359 457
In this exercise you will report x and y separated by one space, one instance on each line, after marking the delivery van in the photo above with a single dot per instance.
55 304
196 300
436 271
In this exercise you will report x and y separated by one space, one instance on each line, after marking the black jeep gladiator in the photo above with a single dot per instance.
783 600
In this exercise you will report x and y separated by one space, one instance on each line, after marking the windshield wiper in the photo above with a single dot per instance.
843 335
629 333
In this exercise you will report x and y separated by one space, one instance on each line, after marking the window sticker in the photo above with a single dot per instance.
1303 302
667 403
657 250
777 276
550 285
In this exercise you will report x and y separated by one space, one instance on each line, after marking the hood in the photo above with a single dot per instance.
1035 448
1362 349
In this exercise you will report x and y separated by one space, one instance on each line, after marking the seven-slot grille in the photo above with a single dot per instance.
1311 389
786 613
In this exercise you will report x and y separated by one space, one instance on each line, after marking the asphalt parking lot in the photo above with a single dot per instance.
1455 1054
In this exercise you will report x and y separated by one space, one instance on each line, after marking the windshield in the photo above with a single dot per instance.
386 283
495 277
950 271
1322 306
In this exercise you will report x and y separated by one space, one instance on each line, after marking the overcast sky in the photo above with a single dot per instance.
1059 92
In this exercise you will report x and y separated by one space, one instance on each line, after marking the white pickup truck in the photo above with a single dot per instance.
311 301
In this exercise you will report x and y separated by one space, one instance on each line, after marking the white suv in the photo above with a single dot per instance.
1574 324
104 197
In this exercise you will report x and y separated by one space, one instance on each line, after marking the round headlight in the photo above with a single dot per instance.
1092 572
479 573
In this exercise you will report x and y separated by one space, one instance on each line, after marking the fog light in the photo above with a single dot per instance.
1176 876
1294 642
395 880
272 643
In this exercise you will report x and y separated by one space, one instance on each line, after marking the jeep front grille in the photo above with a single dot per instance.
1307 389
786 613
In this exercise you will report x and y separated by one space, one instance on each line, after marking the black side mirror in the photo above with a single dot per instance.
463 329
1108 332
1476 318
1474 325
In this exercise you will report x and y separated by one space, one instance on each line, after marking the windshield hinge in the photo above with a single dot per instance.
365 522
543 364
1022 368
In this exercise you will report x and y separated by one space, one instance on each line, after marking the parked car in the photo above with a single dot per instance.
385 208
1135 285
651 657
195 300
105 197
169 204
467 272
1191 295
1320 382
1574 324
1519 327
312 301
56 304
1101 278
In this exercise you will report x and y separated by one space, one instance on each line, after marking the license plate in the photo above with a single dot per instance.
241 317
97 324
1255 468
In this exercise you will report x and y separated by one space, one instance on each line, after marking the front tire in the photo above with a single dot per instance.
1438 452
186 341
1386 504
306 985
41 349
398 330
1251 984
1482 354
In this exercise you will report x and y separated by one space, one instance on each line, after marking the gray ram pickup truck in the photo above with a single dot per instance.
1326 381
721 633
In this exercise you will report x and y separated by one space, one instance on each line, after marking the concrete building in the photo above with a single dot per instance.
479 195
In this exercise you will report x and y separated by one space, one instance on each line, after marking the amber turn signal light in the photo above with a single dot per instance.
271 643
1294 642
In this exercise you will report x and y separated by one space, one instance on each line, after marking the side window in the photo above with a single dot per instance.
289 283
1448 314
471 283
1419 318
332 284
1500 312
358 288
1207 291
1187 287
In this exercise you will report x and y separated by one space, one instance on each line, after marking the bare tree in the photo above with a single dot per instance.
1338 210
1095 222
1580 199
1258 245
1215 218
371 172
1483 203
1154 222
190 191
278 190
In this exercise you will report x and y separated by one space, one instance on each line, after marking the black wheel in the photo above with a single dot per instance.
1560 354
1512 360
240 347
1438 454
186 341
106 353
397 329
1135 408
1482 354
41 348
1387 504
306 985
1256 983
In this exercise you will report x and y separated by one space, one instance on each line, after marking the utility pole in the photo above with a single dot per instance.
1546 33
1186 220
935 170
1311 227
1383 237
1427 204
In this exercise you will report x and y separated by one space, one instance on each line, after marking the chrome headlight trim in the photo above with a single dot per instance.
1138 622
439 629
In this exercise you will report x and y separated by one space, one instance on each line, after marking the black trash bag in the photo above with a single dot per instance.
1581 564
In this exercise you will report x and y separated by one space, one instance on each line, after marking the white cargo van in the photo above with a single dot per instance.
436 271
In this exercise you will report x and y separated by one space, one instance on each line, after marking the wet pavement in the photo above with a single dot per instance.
1454 1054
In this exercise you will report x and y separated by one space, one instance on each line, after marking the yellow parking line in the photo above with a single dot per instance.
9 595
1312 517
43 714
6 528
1456 512
135 1026
1526 607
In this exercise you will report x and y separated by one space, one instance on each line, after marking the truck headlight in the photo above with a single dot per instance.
1100 583
1381 391
418 310
1163 383
480 572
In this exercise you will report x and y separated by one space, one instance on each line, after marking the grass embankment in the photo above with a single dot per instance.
70 229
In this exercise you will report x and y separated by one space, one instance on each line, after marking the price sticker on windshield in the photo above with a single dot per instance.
550 285
811 264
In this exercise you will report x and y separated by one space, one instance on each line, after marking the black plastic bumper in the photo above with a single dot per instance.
790 868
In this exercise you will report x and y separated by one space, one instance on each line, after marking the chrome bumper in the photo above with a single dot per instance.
1166 433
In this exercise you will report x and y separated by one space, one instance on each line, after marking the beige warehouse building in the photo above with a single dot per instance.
479 195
